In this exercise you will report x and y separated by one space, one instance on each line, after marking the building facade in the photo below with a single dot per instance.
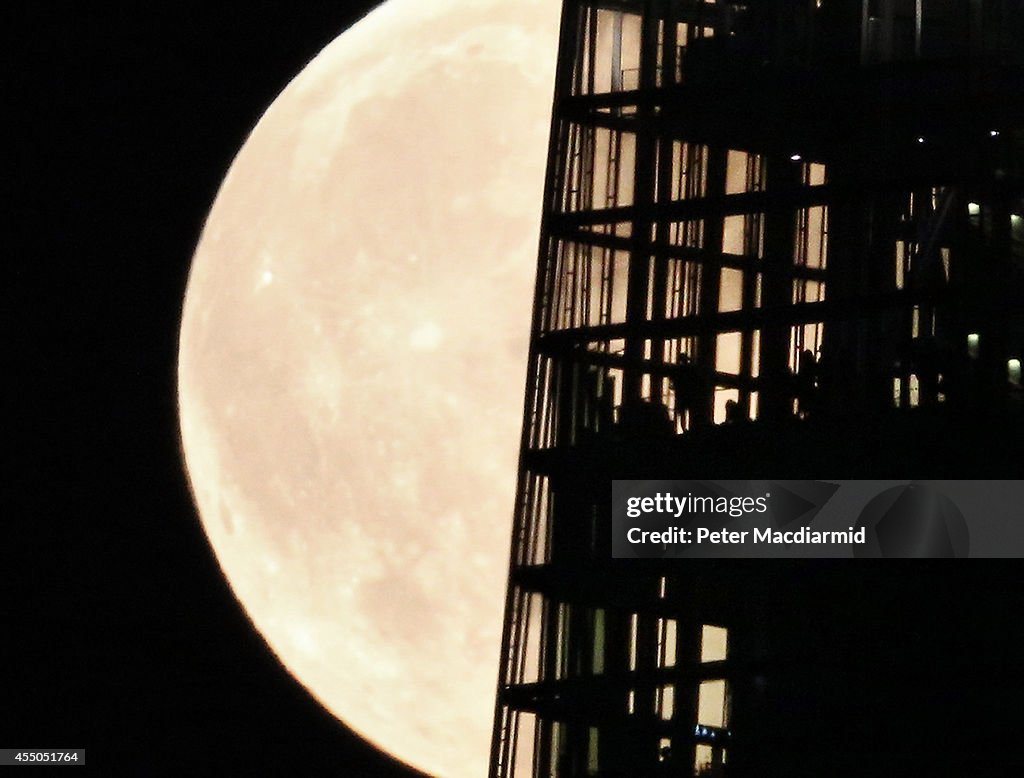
779 238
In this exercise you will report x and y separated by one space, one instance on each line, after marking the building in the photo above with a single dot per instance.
778 237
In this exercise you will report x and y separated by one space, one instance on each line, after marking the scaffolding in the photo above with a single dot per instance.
763 221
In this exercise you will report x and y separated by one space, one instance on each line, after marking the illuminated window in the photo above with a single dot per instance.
973 345
666 642
535 614
914 389
616 51
723 396
736 172
664 749
755 341
727 352
730 294
703 759
526 733
562 650
974 213
592 751
633 619
816 237
711 704
558 747
713 643
732 234
599 634
1013 372
666 702
816 174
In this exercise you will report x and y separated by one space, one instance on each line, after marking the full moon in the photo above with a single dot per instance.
352 360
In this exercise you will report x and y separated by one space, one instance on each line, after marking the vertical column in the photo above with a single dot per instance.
711 279
638 295
777 287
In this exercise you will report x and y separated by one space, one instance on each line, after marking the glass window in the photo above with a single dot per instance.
713 643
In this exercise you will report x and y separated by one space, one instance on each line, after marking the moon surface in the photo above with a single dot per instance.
352 359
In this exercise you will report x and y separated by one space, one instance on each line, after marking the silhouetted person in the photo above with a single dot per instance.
733 412
807 382
690 388
644 419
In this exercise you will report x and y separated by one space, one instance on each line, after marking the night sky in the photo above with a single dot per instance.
121 635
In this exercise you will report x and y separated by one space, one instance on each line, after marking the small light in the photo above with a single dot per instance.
973 209
993 133
920 140
1013 371
795 157
973 342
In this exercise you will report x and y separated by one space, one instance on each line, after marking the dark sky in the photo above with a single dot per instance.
121 635
118 631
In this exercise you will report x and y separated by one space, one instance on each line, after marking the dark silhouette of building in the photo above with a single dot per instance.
780 238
